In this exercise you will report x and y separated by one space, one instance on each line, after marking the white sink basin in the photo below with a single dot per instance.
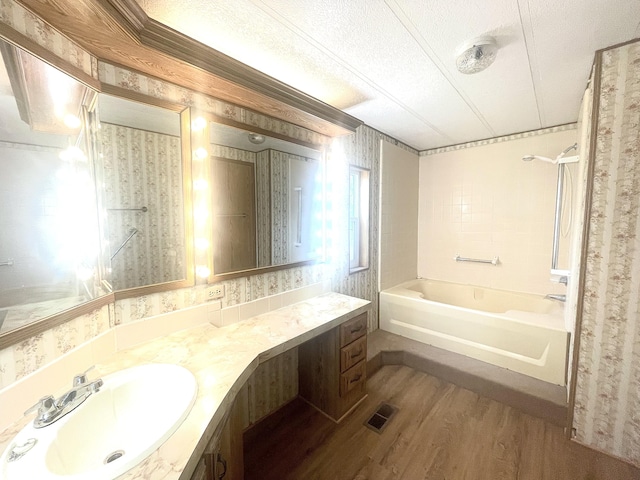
135 412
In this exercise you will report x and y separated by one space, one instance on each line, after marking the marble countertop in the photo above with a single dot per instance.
221 359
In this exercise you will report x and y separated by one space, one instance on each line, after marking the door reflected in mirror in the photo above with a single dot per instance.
49 235
143 192
266 200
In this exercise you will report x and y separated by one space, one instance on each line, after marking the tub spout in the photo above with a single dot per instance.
553 296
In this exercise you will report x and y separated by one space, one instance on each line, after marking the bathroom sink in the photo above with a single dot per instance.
135 412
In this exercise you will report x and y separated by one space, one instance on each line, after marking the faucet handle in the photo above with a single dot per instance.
81 378
45 407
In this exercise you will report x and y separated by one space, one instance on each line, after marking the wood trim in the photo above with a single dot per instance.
618 45
173 43
150 289
258 271
28 331
141 98
25 43
129 14
119 31
597 88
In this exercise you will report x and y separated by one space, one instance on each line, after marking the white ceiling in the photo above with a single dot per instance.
391 63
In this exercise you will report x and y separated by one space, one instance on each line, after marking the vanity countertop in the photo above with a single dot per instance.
221 359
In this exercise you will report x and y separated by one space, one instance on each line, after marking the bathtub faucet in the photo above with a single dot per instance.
554 296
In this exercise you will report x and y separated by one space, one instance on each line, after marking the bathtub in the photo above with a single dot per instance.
518 331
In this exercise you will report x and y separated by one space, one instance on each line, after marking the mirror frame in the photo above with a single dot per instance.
187 191
201 169
45 323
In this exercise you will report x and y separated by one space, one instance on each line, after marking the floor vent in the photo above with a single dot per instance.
380 418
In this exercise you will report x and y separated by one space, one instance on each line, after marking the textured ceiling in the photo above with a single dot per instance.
391 63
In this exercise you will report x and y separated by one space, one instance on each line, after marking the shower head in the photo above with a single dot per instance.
567 150
555 161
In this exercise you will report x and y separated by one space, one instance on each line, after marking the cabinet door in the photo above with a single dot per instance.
224 456
202 472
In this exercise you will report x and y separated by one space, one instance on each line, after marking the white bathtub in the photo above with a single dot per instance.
522 332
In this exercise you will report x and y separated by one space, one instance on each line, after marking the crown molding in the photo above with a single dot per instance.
119 31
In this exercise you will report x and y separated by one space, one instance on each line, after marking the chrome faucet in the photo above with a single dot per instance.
50 410
554 296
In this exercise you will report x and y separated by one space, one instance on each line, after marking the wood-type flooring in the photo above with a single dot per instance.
441 432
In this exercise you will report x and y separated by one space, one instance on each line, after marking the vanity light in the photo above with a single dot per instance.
200 214
83 273
201 153
72 153
200 184
202 271
202 243
72 121
198 123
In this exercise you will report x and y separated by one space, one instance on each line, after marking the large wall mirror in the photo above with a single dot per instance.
266 200
145 208
49 234
95 196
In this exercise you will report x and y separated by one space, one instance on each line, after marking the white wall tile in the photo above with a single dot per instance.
485 201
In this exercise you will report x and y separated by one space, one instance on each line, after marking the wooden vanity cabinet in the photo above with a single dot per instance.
332 368
222 459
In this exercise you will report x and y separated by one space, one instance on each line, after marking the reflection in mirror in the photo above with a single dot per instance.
49 241
266 200
143 192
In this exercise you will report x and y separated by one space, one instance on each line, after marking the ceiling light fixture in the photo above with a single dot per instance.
256 138
476 55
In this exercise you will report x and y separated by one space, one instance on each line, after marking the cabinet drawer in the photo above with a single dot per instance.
353 378
353 329
353 353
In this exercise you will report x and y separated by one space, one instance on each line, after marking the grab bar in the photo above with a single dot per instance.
8 263
143 209
132 232
242 215
494 261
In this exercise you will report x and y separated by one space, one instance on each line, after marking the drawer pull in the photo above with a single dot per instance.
356 355
356 330
356 378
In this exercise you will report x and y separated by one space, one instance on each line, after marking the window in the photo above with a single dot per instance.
358 219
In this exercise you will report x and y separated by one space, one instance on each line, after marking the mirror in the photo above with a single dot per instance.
144 201
49 235
266 200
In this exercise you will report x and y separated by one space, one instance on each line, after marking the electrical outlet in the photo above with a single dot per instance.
216 291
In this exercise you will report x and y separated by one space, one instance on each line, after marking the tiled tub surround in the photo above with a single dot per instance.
222 359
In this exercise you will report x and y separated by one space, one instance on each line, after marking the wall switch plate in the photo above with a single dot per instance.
216 291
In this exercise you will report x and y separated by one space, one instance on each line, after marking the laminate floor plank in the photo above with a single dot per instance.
440 432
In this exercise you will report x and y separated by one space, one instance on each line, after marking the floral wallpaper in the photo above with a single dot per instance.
25 357
263 208
362 150
143 169
279 211
607 400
